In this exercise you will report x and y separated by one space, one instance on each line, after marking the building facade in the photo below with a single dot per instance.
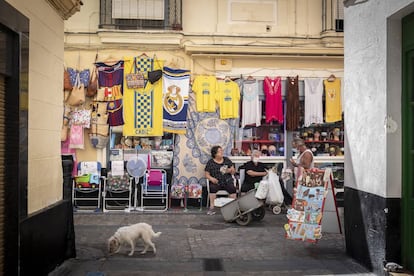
259 38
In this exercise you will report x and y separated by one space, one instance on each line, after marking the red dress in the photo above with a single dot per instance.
274 105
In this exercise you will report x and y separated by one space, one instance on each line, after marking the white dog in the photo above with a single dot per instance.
129 235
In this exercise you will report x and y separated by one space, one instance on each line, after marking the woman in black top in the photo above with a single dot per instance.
219 172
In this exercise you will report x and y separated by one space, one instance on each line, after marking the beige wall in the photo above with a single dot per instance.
253 17
45 102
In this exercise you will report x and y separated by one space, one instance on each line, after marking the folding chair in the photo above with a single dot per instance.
117 192
86 191
154 188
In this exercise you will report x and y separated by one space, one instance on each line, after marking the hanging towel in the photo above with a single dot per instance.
142 108
176 86
76 137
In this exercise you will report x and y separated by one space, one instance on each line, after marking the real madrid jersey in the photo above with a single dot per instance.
228 97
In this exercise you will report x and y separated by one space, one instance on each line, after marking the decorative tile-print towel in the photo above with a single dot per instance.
176 86
142 108
192 150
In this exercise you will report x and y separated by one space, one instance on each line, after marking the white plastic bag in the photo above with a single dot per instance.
262 190
275 194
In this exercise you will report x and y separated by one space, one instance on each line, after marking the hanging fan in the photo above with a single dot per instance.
136 167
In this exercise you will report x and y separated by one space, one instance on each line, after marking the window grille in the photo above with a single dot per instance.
141 14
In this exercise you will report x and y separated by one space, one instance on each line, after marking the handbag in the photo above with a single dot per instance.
83 75
93 84
67 84
99 113
155 75
76 137
81 117
100 129
77 94
134 80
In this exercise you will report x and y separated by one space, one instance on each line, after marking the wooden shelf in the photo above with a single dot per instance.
326 141
260 141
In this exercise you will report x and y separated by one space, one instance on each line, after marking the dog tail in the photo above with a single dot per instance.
156 235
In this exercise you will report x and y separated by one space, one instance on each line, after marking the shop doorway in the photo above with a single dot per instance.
408 143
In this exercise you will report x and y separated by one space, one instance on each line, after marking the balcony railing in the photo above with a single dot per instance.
141 14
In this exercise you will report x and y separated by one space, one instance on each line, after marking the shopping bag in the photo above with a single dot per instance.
77 94
275 194
262 189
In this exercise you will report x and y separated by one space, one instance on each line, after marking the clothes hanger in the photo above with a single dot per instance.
173 64
109 60
331 78
227 79
143 55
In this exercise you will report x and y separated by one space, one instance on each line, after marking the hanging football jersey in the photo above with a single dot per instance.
274 105
205 87
110 75
313 102
228 97
333 105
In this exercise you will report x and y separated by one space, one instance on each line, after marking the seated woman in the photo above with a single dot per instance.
255 171
219 171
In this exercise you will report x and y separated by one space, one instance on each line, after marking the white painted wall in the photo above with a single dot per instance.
45 180
372 87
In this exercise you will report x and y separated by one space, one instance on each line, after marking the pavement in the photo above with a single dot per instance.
193 243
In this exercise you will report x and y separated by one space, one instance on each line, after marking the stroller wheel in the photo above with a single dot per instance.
276 210
259 213
244 220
